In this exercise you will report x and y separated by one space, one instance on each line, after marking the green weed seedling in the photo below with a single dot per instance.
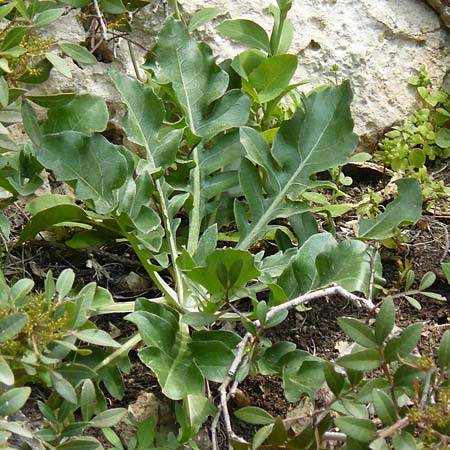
423 139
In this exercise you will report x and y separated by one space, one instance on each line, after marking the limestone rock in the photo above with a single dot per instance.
377 44
442 7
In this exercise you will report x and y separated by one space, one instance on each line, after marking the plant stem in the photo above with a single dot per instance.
176 11
268 113
388 375
276 33
171 239
194 219
397 426
133 60
159 282
130 344
100 19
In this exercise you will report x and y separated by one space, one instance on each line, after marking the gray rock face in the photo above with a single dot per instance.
442 7
377 44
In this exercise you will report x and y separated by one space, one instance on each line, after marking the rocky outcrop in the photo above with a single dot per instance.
442 7
377 44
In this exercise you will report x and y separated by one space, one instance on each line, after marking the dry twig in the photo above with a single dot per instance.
240 359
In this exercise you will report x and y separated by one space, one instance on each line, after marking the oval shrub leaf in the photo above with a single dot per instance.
11 326
88 400
77 53
254 415
358 331
361 430
79 444
12 400
261 435
59 64
384 407
64 283
405 344
385 320
427 280
108 418
361 361
6 374
97 337
444 352
63 387
335 380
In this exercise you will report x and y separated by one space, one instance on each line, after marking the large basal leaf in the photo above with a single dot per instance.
196 409
197 82
317 138
272 76
247 32
300 276
202 17
302 374
137 217
51 216
322 261
214 352
406 209
349 265
85 113
304 380
98 167
144 119
167 352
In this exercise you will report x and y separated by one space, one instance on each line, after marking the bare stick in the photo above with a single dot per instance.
236 362
214 424
100 19
333 290
239 359
332 436
133 60
426 389
397 426
226 415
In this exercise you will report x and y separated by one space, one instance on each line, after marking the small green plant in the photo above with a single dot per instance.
422 140
48 339
424 137
265 70
407 279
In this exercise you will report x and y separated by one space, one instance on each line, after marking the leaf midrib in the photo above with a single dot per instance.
266 217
